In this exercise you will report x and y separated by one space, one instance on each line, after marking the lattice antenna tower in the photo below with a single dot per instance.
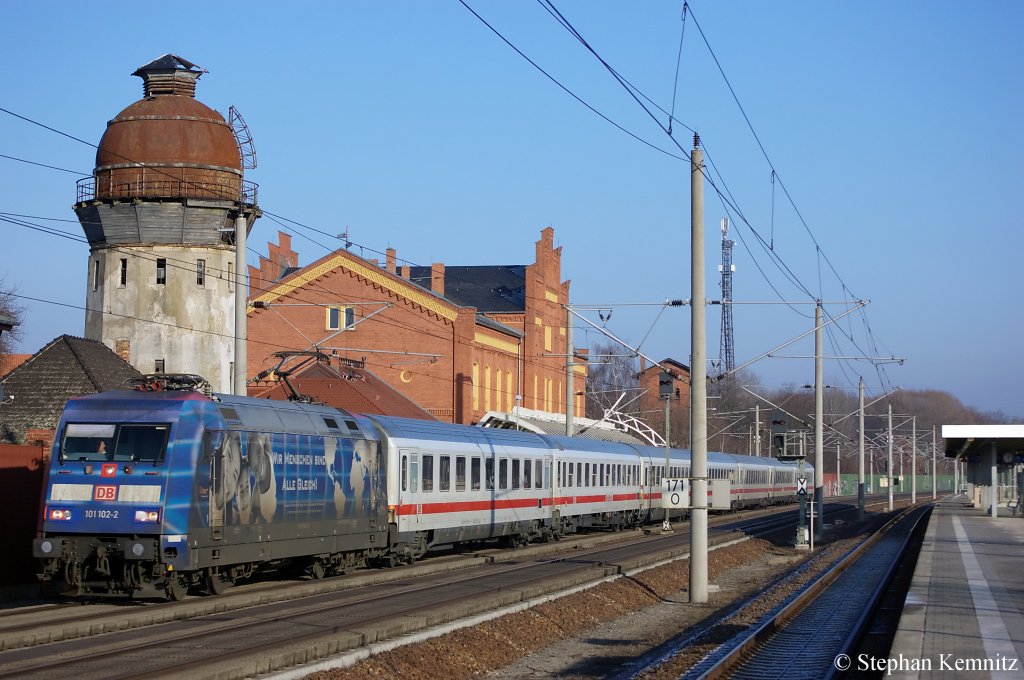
726 351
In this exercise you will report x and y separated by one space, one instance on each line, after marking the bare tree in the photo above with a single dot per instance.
612 374
14 311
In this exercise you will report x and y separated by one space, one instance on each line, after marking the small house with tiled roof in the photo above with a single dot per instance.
35 392
459 341
344 385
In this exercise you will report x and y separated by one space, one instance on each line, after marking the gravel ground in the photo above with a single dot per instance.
599 632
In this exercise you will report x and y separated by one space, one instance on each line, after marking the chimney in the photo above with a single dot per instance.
392 257
437 278
406 272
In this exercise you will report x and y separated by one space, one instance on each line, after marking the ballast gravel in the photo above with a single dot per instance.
600 632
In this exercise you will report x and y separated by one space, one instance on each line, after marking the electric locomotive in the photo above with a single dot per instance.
150 493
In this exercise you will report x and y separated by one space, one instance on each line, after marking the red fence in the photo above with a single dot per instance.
22 473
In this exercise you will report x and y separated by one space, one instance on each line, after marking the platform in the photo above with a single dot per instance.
964 614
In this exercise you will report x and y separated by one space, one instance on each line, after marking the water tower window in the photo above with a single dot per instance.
201 272
124 272
159 366
161 271
96 274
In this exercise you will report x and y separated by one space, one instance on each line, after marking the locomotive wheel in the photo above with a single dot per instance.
176 588
316 570
216 582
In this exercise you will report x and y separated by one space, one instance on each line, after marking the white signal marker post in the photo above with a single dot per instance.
698 385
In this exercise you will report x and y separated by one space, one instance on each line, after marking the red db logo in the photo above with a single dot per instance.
105 493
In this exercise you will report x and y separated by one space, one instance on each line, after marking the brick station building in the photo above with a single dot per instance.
459 340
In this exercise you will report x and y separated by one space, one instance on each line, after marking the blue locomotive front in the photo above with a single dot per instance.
151 493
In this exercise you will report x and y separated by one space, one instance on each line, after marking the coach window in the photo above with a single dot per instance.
568 478
503 473
489 473
538 475
515 474
580 479
405 473
460 473
527 483
474 474
428 473
444 482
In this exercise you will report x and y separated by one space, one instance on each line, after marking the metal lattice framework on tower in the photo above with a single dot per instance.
726 352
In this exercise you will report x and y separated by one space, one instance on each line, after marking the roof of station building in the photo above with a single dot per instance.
964 440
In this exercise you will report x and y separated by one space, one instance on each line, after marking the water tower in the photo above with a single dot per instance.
160 213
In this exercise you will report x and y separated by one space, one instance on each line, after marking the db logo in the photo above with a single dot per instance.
105 493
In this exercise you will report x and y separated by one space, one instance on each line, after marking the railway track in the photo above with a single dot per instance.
204 637
265 626
808 635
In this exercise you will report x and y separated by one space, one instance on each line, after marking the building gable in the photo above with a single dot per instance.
67 367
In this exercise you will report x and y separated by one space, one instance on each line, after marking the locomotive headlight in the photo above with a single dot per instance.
138 549
60 514
147 515
46 546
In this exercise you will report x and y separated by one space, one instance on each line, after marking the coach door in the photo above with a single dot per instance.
410 485
647 485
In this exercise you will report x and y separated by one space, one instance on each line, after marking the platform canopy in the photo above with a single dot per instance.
965 440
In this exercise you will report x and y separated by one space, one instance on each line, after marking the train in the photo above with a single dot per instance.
166 488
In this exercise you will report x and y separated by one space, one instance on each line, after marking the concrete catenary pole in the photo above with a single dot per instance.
935 476
757 430
860 452
698 385
819 424
241 299
994 480
888 465
913 461
570 388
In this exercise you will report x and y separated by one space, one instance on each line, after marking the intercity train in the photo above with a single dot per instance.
165 488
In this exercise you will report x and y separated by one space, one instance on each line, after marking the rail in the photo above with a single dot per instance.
745 648
170 188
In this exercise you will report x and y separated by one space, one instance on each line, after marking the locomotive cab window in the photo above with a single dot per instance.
118 443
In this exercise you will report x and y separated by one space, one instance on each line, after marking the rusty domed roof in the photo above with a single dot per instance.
169 130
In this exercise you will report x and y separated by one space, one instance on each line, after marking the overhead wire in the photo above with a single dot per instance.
730 201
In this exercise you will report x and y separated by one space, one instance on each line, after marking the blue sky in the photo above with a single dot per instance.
895 127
